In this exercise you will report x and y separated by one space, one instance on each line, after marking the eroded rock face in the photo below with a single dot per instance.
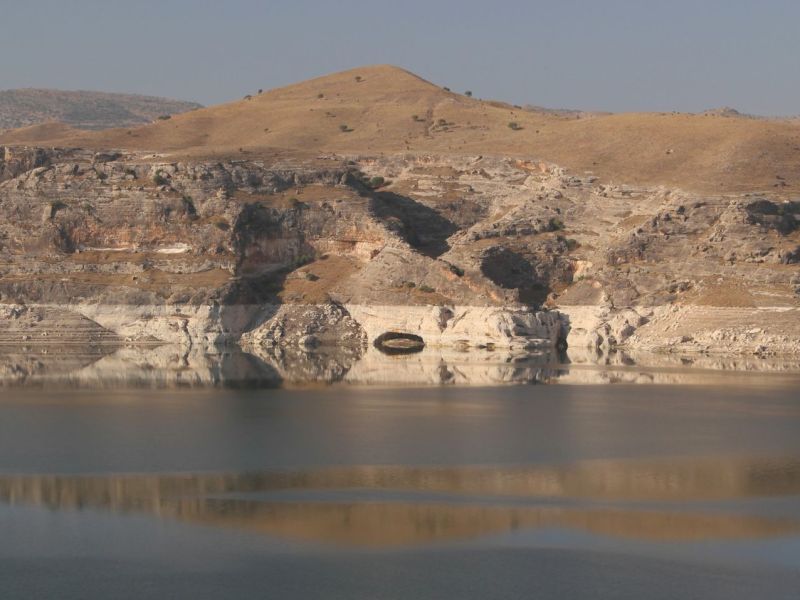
686 330
464 326
357 326
15 161
22 324
307 326
459 250
603 328
780 216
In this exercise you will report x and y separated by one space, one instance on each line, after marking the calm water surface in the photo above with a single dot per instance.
546 491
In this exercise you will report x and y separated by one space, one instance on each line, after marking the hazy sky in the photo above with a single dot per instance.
602 54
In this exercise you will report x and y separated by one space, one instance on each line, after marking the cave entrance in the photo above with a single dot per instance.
393 342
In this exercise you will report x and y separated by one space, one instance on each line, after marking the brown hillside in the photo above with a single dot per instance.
372 109
38 134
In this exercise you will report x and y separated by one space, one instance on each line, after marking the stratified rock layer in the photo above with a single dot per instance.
296 252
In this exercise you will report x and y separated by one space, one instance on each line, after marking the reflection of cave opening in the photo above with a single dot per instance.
393 342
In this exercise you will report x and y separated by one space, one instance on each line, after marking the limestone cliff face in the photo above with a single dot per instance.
15 161
465 326
202 252
643 268
459 250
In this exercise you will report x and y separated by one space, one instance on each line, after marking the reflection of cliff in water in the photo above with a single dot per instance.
418 505
295 365
135 366
174 366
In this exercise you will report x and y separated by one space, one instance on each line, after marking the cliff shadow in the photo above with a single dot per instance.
513 271
421 226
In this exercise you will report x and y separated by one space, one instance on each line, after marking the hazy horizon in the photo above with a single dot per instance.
621 56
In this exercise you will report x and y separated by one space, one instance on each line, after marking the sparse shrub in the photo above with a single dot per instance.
359 79
376 182
455 270
410 285
446 89
556 224
159 179
301 260
441 122
222 225
248 97
56 206
164 117
468 93
188 206
426 289
310 276
570 243
514 126
260 91
320 95
345 128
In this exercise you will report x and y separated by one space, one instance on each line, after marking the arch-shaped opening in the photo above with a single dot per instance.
393 342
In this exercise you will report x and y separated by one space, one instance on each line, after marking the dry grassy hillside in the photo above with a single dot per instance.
387 109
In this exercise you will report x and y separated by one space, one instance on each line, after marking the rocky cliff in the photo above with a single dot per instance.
203 252
467 251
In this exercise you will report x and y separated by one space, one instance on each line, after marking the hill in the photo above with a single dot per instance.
385 109
84 110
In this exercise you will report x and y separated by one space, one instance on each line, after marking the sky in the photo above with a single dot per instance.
614 55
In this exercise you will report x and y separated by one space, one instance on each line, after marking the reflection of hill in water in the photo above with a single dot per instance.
488 500
390 524
173 366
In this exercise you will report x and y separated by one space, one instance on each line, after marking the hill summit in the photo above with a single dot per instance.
386 109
